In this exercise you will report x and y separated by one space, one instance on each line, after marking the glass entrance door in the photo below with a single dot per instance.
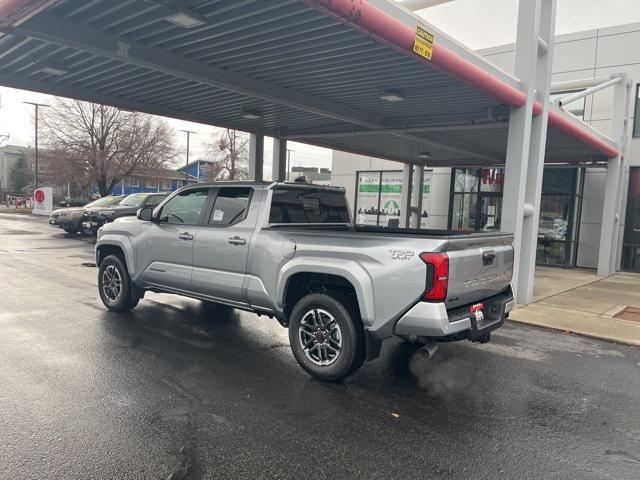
556 238
631 242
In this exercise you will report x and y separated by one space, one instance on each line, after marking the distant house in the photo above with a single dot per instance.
152 180
200 170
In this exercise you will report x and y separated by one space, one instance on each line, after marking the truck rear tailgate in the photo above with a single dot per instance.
480 266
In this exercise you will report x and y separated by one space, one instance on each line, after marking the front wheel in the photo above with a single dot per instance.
114 285
327 336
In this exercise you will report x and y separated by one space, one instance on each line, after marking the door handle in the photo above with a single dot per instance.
185 236
236 241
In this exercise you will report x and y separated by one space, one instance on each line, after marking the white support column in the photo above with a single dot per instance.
279 167
256 156
405 202
527 140
607 251
416 205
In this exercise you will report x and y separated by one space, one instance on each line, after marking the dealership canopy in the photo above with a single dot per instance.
364 77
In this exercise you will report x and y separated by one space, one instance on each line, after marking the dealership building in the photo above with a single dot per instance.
470 198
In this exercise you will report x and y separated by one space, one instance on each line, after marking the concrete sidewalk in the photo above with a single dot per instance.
578 301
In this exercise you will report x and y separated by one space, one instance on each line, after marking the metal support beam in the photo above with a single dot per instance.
405 202
256 156
607 251
589 91
279 166
527 141
577 84
68 34
416 205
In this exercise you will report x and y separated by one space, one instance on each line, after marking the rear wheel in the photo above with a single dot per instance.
326 336
114 285
70 231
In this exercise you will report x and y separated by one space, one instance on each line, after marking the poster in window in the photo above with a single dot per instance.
367 198
390 198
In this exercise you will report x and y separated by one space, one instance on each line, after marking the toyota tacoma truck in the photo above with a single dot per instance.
291 252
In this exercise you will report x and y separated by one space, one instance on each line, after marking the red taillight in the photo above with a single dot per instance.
437 275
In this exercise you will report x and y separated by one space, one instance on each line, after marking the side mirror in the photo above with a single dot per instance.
145 213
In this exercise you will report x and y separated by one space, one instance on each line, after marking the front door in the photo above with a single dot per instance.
222 246
164 250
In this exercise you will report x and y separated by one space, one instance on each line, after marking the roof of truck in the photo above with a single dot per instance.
260 185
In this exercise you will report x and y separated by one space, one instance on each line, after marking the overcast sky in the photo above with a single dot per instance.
475 23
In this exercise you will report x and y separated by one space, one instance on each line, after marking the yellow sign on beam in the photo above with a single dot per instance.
423 43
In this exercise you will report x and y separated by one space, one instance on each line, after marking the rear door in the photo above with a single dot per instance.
480 266
164 249
221 248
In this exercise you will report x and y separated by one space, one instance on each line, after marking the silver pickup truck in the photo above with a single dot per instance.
290 251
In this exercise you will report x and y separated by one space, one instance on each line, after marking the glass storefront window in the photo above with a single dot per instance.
476 204
463 213
491 179
477 199
466 180
631 242
379 196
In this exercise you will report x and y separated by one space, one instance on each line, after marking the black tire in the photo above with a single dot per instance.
70 231
351 332
123 301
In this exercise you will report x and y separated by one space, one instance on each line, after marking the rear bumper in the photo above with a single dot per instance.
433 320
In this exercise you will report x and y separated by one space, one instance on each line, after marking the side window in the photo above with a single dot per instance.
184 208
230 206
153 201
308 205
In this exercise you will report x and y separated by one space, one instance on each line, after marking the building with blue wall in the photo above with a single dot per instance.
151 180
200 170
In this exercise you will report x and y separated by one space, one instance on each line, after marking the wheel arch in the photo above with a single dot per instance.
118 247
296 280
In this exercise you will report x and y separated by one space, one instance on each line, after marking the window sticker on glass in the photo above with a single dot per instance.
311 204
217 215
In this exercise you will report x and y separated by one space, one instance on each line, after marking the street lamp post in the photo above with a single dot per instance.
36 108
186 173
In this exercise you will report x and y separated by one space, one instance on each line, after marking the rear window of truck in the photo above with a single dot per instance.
308 205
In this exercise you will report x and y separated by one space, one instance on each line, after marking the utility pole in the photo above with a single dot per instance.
36 109
288 163
186 174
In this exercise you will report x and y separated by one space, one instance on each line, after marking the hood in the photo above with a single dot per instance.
58 211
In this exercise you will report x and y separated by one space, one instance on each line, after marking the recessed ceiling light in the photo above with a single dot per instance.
424 155
49 70
251 114
391 96
184 19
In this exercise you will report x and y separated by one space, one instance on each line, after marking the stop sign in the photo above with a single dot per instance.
39 196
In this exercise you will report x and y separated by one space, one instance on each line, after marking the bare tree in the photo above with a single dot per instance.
230 152
102 144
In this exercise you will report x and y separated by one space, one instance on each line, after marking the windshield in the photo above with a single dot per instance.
134 200
101 202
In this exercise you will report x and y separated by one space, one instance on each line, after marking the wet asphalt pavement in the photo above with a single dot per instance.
176 390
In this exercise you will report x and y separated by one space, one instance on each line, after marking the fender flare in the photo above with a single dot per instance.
347 269
124 243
